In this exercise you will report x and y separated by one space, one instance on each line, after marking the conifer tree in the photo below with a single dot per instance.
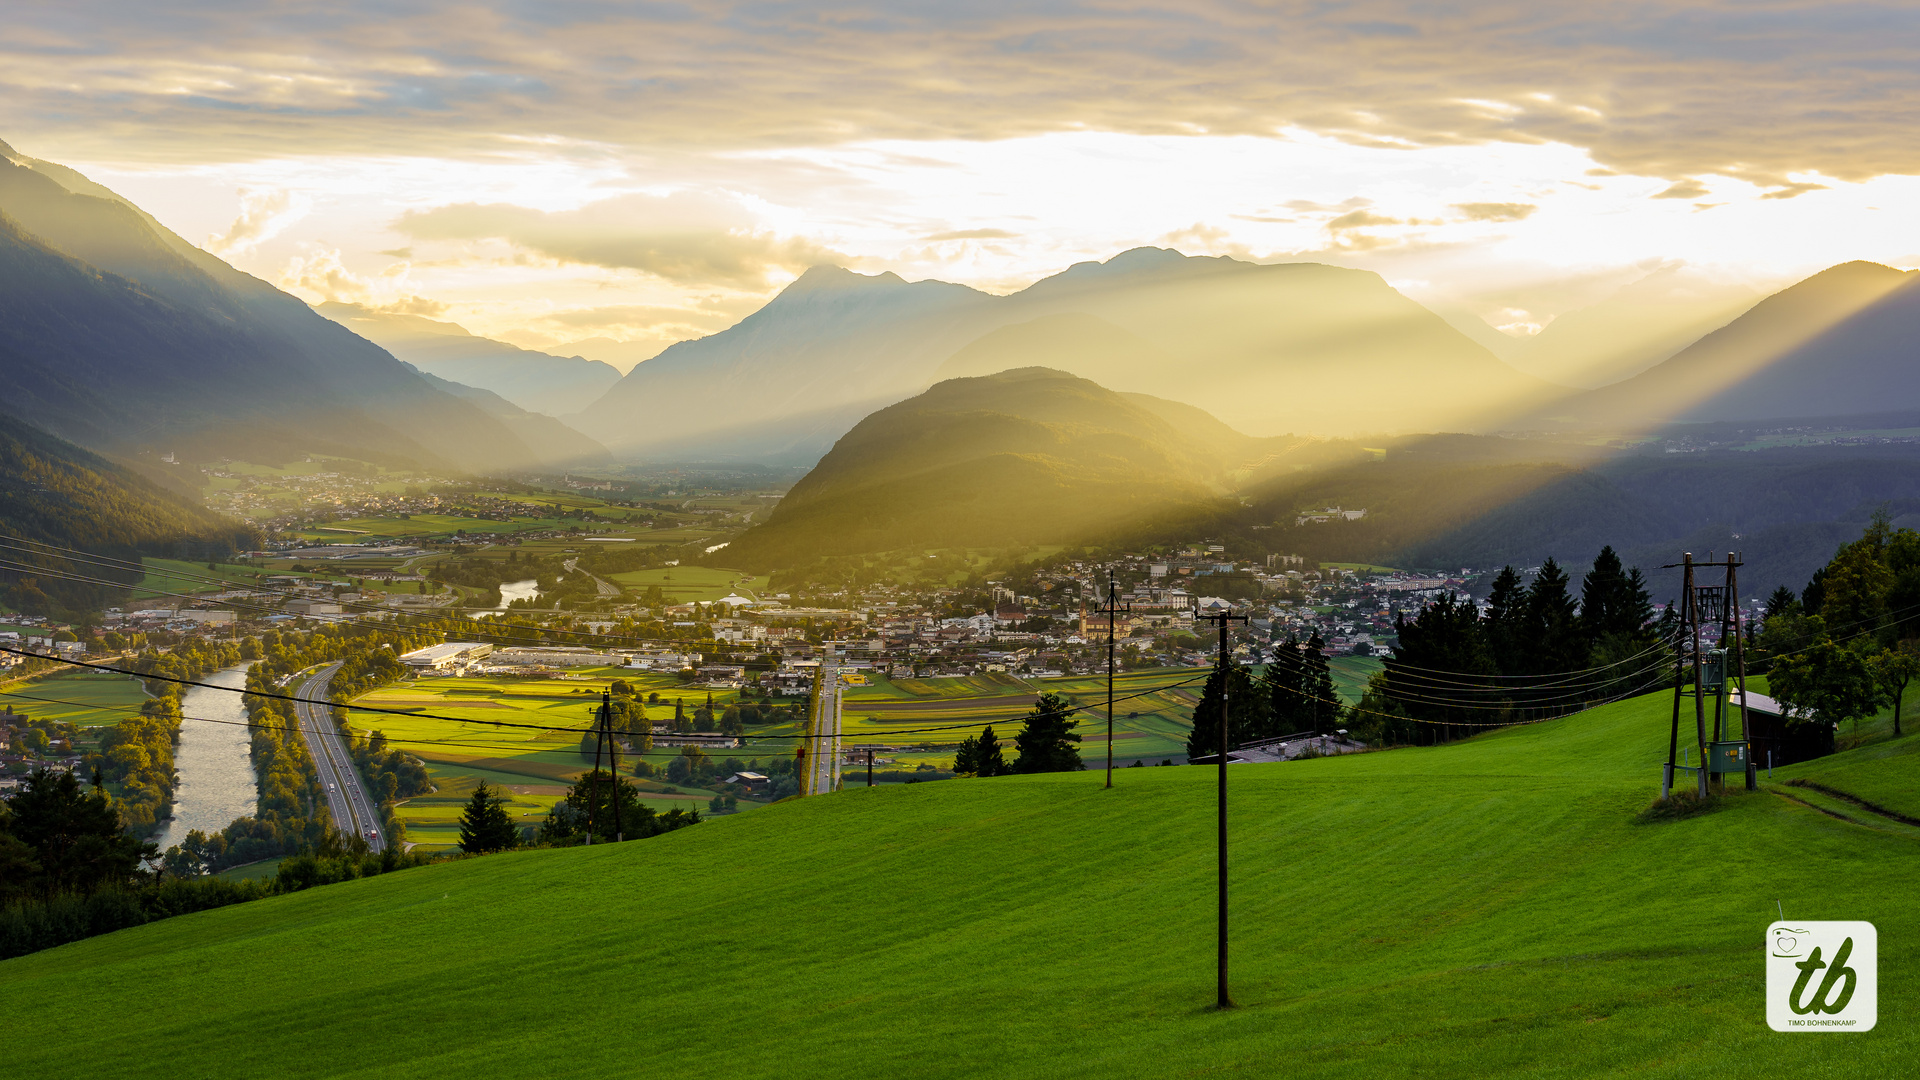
981 756
486 826
1046 741
1251 710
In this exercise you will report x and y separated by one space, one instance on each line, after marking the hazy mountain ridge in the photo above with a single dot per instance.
1834 344
1268 349
535 381
119 335
834 344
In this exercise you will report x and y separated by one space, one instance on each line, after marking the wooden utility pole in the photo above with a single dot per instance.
1224 1000
1725 601
603 740
869 766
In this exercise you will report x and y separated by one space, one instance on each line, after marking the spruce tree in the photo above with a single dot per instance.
1283 684
1782 602
1322 701
1046 741
980 755
1251 710
1506 612
486 826
1552 636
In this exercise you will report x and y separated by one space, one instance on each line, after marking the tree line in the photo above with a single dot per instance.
1849 644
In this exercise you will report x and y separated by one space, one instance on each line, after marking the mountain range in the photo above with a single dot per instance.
1269 349
535 381
1836 344
120 336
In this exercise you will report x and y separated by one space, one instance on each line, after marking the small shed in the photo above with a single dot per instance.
754 782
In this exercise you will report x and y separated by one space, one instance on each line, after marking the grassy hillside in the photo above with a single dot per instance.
1026 456
1487 909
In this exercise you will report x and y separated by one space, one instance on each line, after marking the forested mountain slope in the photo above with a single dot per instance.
120 336
1025 456
59 495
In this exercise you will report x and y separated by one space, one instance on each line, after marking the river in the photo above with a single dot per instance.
217 783
511 591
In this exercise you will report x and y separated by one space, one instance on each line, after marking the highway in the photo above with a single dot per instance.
823 754
601 586
353 812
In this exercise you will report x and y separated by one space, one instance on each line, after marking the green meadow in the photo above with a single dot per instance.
1491 908
86 699
1152 724
686 584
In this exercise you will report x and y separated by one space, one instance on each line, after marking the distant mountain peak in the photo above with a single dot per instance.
825 276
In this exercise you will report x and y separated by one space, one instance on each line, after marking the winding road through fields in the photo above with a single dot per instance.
823 753
353 812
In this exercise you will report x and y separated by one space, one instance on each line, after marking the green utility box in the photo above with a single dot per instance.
1727 757
1713 671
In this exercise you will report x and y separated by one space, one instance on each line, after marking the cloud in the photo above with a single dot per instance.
686 237
1794 190
971 234
415 305
1685 189
1496 211
322 274
263 216
1672 90
1360 219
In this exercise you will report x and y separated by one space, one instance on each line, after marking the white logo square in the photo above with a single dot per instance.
1822 976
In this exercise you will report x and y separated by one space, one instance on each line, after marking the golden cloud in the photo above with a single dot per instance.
686 238
1759 91
1495 211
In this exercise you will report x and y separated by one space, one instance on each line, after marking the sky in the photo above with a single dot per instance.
558 172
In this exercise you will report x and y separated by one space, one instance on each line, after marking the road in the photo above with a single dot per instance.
823 754
353 812
602 586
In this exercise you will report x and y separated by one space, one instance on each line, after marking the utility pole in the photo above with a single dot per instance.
869 766
1698 603
1224 999
603 740
1112 610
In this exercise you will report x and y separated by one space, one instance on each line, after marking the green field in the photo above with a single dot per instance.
87 699
686 584
1487 909
1152 725
535 765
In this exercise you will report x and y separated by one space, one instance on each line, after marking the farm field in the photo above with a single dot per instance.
86 698
686 584
535 764
1151 726
1491 908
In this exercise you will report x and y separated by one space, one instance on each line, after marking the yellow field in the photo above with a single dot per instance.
462 744
1152 724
